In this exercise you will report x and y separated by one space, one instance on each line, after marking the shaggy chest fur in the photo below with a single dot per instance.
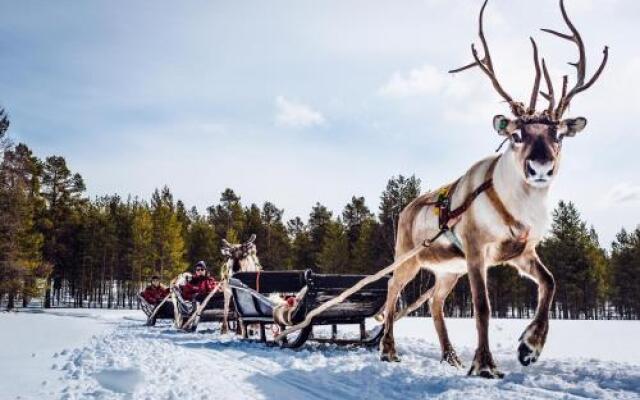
484 226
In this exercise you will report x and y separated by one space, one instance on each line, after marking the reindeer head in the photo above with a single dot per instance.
536 136
241 257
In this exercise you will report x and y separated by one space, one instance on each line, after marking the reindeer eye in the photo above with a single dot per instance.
516 137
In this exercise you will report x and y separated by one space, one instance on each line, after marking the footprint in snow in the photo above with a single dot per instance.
122 381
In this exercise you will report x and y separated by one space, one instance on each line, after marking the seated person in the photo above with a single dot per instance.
156 292
200 284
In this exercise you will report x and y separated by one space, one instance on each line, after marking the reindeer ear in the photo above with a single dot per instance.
252 238
503 125
569 127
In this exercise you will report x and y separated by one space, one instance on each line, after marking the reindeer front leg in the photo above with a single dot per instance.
534 336
225 317
483 364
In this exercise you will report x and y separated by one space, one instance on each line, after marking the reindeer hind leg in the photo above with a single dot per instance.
443 286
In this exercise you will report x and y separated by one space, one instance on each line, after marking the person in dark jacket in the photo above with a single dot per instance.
200 285
156 292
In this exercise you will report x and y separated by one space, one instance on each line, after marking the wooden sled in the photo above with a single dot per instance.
212 312
253 306
165 311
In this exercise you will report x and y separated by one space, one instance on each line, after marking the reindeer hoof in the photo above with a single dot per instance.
487 373
491 374
451 358
389 358
527 354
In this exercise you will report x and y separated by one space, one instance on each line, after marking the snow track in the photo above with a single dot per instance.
130 361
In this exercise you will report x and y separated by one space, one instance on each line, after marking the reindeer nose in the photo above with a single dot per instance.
539 170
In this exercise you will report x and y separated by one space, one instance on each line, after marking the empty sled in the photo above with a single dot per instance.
253 296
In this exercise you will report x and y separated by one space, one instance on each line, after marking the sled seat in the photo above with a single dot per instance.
165 312
213 311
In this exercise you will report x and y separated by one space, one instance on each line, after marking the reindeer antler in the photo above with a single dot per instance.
549 95
486 66
581 65
536 81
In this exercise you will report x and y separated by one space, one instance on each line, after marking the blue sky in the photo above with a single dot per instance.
300 101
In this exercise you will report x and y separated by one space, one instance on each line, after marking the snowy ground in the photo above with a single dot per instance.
78 354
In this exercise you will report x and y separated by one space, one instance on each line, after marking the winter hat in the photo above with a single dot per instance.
200 264
155 277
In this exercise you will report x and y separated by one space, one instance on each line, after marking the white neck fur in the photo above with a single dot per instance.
526 203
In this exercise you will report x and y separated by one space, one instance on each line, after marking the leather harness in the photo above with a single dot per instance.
446 215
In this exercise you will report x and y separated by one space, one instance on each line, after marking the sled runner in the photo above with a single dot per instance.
253 304
213 311
164 310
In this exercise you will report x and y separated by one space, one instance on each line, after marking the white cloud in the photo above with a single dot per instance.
623 193
296 115
419 81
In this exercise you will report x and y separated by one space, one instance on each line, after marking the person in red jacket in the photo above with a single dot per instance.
156 292
200 285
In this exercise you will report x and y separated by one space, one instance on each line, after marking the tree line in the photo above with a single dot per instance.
62 248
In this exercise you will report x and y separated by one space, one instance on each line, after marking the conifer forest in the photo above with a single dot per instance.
60 248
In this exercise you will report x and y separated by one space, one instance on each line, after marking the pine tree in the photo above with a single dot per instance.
319 221
62 191
29 169
334 256
20 242
354 215
142 236
167 235
360 229
625 271
203 243
4 127
364 256
275 254
399 192
570 255
228 215
183 217
302 256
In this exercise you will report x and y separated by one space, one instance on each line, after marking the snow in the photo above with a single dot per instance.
101 354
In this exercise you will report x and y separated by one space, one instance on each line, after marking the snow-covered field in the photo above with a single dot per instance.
79 354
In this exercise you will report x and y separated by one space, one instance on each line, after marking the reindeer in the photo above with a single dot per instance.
240 258
494 214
